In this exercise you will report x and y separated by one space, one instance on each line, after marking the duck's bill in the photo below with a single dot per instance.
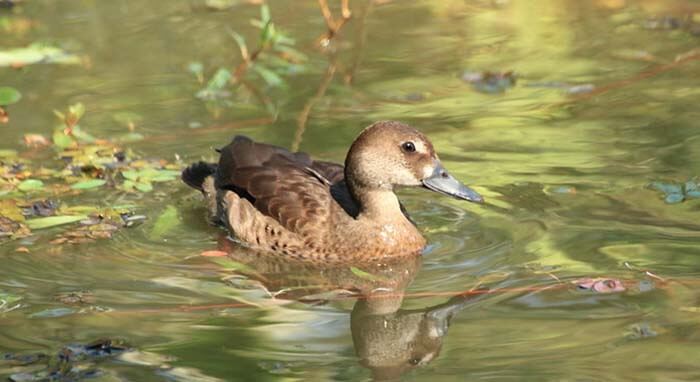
441 181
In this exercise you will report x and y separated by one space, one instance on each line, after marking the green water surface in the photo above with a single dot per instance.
566 173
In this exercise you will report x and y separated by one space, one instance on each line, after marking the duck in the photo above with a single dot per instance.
288 204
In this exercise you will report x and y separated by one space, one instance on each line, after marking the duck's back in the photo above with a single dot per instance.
274 199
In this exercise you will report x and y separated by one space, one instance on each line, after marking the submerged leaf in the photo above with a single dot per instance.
53 221
165 223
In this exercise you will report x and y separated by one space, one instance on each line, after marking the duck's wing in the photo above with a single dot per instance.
289 187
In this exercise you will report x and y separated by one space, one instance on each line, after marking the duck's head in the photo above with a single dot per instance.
389 153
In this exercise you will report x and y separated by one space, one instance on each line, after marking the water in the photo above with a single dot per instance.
566 174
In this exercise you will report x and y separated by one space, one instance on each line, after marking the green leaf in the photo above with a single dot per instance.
144 186
130 174
165 223
30 185
9 95
87 184
219 80
53 221
239 40
77 110
267 35
62 140
271 78
265 14
82 136
36 53
163 178
195 68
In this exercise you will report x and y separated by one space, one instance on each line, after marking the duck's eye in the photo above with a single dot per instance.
408 147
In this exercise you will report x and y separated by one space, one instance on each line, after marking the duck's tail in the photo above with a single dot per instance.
195 175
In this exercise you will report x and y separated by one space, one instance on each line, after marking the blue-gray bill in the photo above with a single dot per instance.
441 181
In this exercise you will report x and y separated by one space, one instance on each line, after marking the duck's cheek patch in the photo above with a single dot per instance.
428 171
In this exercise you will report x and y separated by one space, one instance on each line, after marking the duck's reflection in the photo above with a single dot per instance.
387 339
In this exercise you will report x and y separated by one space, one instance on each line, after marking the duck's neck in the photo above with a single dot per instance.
379 205
384 222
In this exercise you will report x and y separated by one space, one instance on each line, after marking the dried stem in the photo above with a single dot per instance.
306 111
333 25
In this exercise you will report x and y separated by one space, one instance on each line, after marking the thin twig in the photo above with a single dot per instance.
306 111
680 60
332 24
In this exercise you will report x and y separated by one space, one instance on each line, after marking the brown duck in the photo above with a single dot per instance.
282 202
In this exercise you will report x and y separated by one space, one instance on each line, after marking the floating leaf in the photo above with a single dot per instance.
9 209
87 184
143 187
61 140
130 174
53 221
30 185
9 95
36 53
165 223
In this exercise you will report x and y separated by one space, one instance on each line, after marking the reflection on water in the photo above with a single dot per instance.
603 102
387 339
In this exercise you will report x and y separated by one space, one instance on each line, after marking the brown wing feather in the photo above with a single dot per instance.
279 183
